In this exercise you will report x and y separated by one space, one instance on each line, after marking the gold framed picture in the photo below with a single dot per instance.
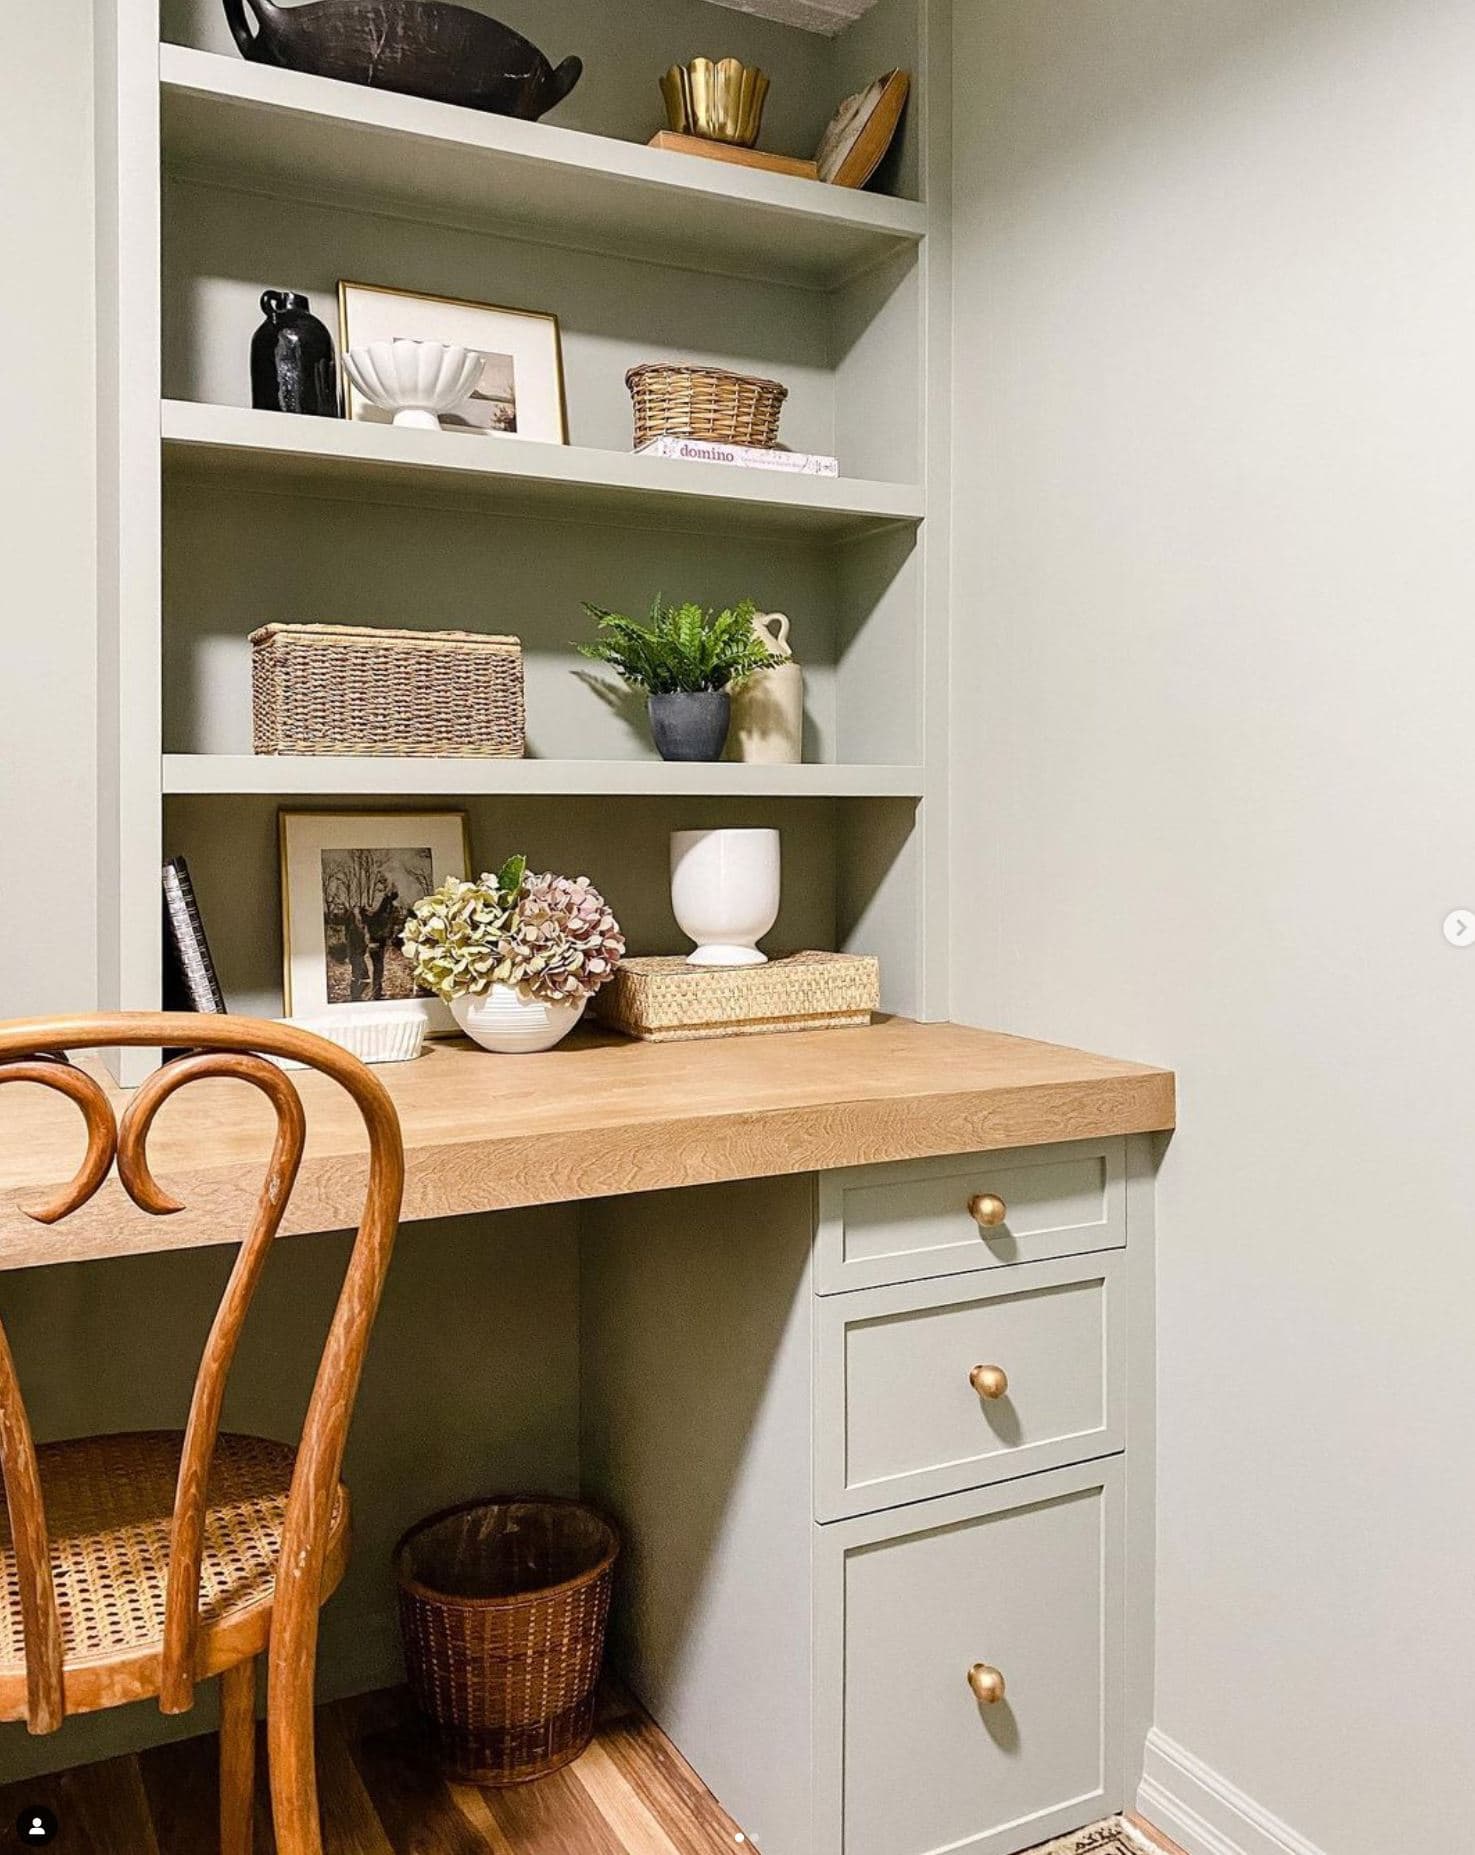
521 391
349 881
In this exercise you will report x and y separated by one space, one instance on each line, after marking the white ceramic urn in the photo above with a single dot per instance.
768 707
512 1022
725 888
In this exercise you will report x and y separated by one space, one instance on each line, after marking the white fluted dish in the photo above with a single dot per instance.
371 1036
416 381
513 1023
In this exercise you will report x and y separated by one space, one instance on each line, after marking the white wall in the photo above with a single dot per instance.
47 610
1216 658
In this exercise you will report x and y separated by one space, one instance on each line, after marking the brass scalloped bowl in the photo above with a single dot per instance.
721 101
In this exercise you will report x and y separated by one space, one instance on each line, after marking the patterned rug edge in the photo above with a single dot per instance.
1115 1836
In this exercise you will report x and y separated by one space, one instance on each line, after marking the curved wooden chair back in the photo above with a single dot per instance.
30 1050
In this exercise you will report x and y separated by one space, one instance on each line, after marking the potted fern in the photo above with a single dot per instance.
685 659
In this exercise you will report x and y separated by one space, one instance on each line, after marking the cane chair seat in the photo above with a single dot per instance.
140 1565
109 1507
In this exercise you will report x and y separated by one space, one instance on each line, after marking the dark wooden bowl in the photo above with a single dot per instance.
421 48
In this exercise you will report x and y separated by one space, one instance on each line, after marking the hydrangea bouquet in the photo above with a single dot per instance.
553 938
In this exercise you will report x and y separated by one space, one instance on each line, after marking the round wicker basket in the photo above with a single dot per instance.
705 402
503 1606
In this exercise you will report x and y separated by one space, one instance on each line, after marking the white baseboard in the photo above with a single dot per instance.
1204 1813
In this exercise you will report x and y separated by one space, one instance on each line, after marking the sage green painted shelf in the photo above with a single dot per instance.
217 177
522 476
324 776
286 133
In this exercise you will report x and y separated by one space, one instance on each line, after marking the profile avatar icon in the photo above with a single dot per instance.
36 1827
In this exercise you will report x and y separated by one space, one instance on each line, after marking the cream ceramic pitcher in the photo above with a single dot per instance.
768 708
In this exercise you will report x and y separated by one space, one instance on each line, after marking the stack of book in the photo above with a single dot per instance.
744 456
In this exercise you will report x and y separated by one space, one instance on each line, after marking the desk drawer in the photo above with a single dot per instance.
1028 1588
899 1416
901 1223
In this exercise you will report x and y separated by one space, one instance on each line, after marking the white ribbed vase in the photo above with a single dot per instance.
508 1021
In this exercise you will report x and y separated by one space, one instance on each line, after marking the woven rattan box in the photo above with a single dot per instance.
667 1001
347 689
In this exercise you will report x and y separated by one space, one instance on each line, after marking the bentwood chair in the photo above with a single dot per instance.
138 1565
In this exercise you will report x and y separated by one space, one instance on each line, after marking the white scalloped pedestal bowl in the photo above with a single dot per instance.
507 1021
415 380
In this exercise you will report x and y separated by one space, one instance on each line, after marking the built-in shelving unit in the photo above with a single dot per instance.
290 135
218 178
359 458
326 776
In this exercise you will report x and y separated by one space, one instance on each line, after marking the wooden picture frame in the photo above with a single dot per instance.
521 394
862 130
348 882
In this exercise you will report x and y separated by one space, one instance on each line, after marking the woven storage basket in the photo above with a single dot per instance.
342 689
705 402
503 1606
667 1001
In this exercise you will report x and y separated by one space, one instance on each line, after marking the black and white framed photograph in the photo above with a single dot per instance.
520 392
349 881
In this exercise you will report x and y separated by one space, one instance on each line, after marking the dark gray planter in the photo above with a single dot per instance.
690 725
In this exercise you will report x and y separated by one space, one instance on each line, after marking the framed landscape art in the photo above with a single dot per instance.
520 393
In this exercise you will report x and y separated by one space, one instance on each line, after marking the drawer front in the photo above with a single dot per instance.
902 1412
1031 1590
901 1223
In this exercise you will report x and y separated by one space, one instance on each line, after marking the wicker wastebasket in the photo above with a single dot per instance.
503 1606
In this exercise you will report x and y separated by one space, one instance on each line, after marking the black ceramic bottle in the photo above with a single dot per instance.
292 363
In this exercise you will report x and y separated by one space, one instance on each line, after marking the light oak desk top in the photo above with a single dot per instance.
597 1117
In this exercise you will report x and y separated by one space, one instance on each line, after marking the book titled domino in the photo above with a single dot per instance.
745 457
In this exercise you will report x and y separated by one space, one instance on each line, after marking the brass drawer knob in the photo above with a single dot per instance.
989 1381
987 1684
986 1210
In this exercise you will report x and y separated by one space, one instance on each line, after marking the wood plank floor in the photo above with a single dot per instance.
1155 1836
630 1794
